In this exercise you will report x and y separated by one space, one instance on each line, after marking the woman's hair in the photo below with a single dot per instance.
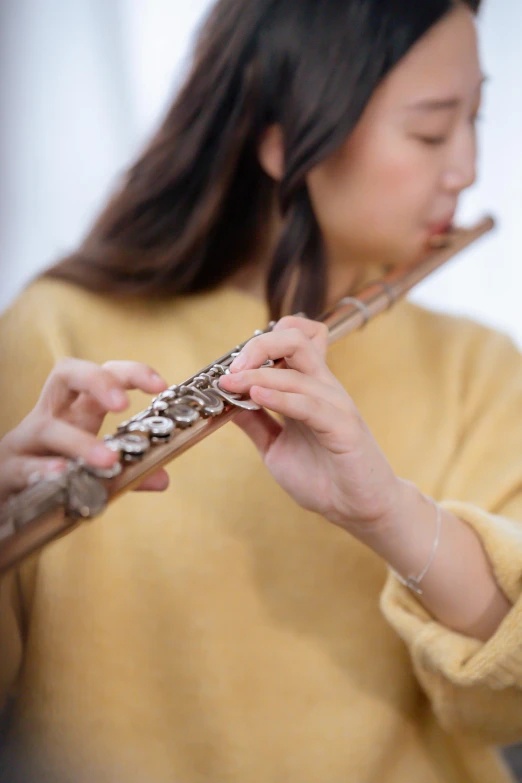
192 210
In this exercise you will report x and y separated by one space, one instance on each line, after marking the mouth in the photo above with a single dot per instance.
438 234
442 227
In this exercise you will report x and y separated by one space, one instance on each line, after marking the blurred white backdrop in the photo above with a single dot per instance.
84 82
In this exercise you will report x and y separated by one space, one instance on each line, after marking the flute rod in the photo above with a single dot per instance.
49 509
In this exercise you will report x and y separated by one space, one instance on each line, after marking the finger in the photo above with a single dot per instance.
156 482
53 436
87 412
19 472
292 345
136 375
287 381
318 415
70 377
105 384
316 331
260 427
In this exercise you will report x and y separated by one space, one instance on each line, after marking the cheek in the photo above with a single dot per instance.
374 197
404 193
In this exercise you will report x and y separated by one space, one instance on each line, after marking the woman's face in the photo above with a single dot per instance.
397 179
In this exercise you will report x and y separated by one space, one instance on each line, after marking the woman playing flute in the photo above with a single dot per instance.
337 595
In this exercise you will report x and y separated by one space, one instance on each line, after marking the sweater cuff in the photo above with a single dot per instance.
462 660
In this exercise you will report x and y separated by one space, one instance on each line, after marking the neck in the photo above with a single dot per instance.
343 276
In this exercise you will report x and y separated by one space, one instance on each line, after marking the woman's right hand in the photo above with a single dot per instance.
66 419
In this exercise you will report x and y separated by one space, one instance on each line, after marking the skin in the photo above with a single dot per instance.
65 421
379 196
407 162
393 185
400 173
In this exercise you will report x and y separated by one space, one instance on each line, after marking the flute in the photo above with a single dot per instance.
180 417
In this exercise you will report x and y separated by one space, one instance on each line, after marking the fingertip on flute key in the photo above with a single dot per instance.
101 456
239 363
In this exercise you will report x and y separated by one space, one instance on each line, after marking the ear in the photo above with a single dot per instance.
271 151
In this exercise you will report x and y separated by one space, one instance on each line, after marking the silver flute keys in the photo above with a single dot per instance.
27 519
79 488
177 408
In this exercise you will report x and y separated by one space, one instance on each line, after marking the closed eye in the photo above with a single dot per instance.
433 141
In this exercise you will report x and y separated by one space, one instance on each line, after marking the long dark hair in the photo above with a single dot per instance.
192 210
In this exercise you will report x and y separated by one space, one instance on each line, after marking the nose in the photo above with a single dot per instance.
461 169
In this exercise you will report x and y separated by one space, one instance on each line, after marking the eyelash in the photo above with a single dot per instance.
438 141
433 141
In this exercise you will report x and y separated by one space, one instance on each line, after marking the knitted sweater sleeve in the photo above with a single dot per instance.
476 688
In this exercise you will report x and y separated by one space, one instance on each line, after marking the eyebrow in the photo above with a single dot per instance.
441 104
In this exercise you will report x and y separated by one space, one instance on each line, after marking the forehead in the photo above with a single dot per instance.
444 63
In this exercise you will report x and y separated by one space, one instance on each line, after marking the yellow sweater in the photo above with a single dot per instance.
218 633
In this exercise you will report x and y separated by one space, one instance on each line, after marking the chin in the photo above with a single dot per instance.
418 251
403 254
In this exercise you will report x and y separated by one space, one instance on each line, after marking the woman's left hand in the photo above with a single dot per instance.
323 454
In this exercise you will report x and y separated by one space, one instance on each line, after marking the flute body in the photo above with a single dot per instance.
180 417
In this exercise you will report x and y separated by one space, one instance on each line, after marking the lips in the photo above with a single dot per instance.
438 234
442 227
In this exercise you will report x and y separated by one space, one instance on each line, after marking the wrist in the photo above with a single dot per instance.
396 521
405 535
414 535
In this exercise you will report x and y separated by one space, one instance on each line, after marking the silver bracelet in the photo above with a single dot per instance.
413 582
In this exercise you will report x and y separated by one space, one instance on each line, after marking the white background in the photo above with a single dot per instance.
84 81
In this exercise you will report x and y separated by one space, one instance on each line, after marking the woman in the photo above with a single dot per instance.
230 628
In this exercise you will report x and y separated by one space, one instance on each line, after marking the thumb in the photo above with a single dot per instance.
260 427
156 482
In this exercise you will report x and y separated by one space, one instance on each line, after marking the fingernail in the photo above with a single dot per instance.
101 455
261 392
239 362
117 397
234 379
157 378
